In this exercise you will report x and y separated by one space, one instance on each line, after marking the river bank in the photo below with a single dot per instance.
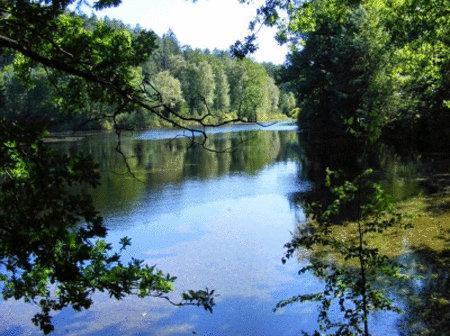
54 137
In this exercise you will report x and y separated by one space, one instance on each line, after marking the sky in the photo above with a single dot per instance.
204 24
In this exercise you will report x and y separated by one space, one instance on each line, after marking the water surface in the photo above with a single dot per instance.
213 219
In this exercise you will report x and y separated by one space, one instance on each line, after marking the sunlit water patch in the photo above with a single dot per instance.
159 134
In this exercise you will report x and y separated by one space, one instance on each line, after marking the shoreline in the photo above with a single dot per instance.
71 136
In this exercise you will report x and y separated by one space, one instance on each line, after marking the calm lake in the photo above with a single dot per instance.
216 220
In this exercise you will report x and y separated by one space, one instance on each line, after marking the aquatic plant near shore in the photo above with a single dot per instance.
350 267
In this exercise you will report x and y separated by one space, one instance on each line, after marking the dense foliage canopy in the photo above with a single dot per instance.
369 70
190 83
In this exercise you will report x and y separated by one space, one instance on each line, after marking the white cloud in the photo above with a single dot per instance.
180 329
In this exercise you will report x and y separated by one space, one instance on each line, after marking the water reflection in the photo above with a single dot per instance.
161 163
221 220
360 248
216 219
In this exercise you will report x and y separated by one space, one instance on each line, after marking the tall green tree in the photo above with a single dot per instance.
235 73
198 86
168 46
254 102
222 90
170 90
273 94
287 102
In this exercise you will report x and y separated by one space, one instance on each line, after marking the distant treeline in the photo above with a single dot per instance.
191 82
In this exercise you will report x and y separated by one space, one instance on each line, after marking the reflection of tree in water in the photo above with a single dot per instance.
52 251
350 220
159 163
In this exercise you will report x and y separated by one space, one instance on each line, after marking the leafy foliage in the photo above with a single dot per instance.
351 269
51 247
122 68
367 70
52 251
